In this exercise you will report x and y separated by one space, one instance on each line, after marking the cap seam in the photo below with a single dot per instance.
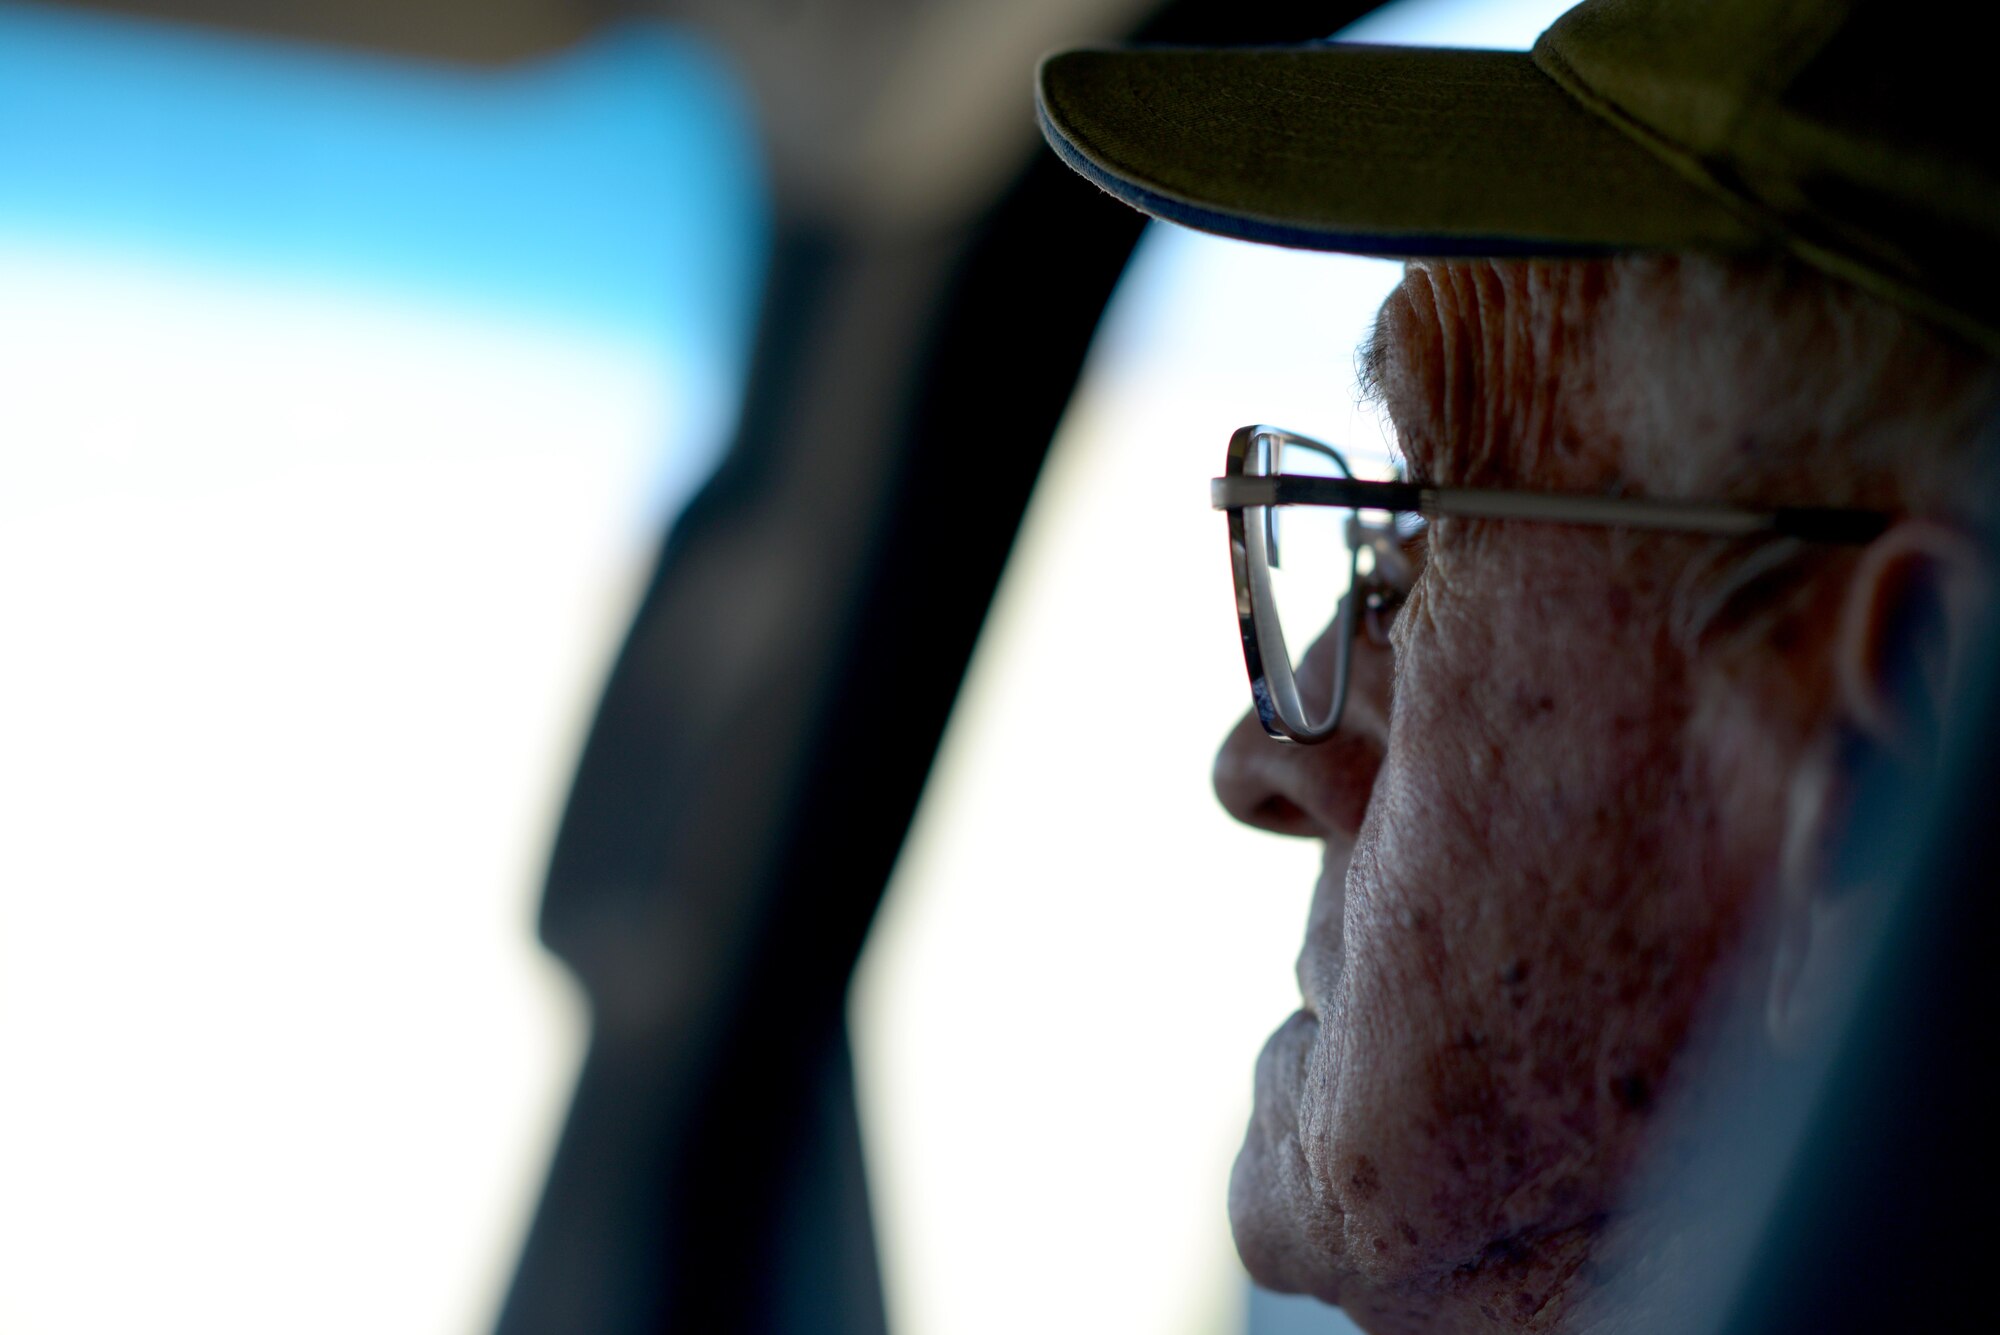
1786 229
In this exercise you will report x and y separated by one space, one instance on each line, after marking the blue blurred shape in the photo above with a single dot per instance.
615 184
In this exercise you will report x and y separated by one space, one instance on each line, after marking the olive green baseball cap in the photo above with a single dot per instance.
1859 135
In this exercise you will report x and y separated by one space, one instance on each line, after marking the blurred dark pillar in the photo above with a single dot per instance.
758 754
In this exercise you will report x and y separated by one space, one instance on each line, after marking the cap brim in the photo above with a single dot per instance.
1376 150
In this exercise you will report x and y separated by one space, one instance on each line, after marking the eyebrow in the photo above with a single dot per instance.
1371 365
1371 361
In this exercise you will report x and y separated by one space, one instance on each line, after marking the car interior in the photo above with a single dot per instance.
924 293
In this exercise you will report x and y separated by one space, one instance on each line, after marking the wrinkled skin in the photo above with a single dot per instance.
1547 835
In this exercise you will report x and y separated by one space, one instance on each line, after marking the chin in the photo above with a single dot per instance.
1297 1235
1287 1228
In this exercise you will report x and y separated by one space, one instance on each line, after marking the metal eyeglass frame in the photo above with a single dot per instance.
1272 686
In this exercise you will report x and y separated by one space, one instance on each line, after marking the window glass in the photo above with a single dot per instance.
1057 1014
346 398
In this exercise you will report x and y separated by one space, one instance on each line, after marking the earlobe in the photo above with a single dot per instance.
1845 848
1816 946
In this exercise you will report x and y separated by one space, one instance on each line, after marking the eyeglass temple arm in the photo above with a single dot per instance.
1809 523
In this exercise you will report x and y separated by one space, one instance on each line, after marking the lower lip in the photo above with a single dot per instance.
1296 1036
1281 1067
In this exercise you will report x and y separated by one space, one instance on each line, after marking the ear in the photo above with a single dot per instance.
1913 609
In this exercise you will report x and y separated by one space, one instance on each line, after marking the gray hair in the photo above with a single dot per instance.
1764 381
1813 391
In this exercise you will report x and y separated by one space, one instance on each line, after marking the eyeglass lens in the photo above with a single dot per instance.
1311 556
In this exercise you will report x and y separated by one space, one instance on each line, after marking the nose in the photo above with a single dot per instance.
1318 791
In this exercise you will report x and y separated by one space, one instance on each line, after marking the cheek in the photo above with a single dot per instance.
1528 920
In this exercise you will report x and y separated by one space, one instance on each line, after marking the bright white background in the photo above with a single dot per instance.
342 403
1080 957
303 601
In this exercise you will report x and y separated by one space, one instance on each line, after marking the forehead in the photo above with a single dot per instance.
1484 369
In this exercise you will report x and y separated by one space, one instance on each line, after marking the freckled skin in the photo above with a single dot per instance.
1529 884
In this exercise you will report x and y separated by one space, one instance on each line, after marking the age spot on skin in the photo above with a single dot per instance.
1534 704
1633 1091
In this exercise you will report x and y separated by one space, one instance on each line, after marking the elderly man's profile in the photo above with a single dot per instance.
1692 370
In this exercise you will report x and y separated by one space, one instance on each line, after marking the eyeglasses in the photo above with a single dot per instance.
1314 548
